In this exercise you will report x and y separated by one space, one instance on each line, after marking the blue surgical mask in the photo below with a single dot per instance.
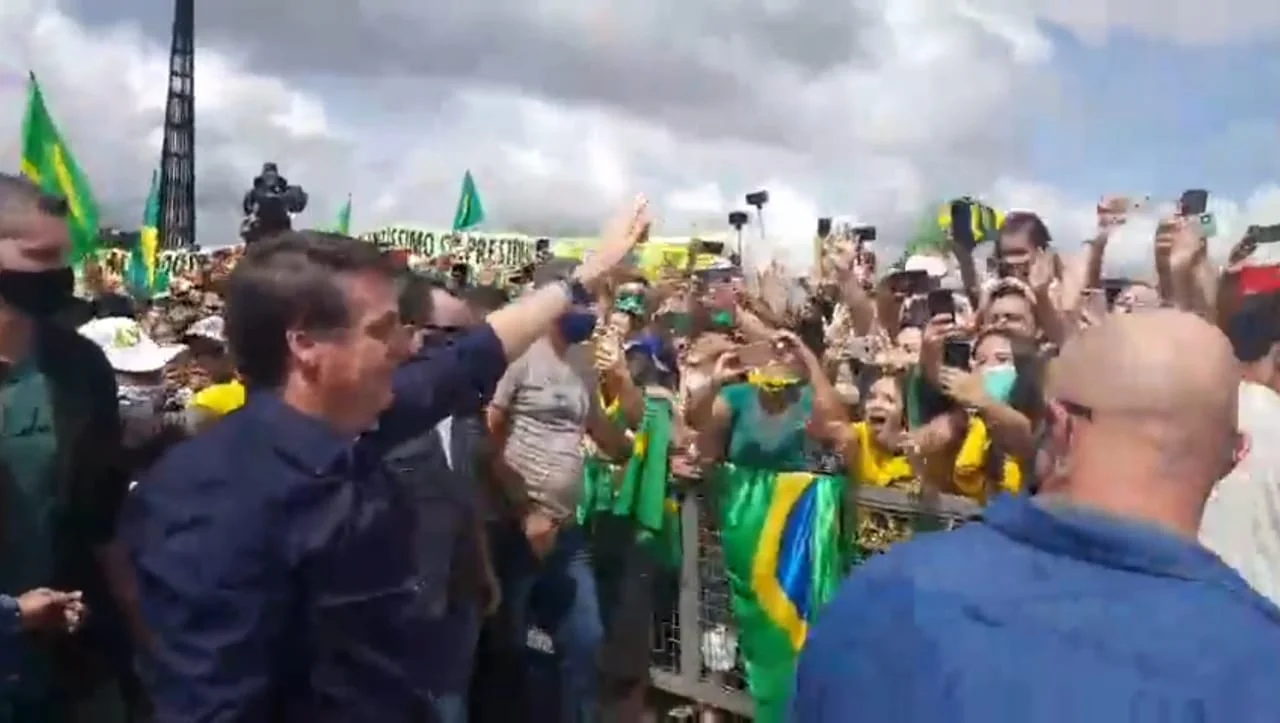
999 380
577 326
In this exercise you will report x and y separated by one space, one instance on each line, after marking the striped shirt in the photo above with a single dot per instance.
549 400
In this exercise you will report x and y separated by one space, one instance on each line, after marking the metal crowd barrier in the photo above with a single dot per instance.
687 655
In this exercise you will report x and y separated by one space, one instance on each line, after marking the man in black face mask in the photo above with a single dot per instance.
59 474
439 470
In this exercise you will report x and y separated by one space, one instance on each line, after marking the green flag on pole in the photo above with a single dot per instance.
470 211
344 218
144 277
47 161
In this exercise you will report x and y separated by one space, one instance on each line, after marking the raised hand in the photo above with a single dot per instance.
621 236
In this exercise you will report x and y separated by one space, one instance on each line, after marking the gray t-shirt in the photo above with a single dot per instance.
549 400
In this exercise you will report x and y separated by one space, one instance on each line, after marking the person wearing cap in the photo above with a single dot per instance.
60 452
545 405
1242 517
208 344
139 363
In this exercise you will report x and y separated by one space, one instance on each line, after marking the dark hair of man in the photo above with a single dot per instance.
19 193
486 298
1254 327
1003 290
290 282
415 295
1020 221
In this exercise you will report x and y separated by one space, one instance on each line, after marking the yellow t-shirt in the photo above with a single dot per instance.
971 465
875 466
220 399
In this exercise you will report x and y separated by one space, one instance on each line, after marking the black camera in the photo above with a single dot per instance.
738 219
824 227
757 198
864 233
270 204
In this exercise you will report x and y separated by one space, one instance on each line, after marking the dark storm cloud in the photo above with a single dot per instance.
710 69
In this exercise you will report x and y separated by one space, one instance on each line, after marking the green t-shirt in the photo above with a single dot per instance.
767 441
27 449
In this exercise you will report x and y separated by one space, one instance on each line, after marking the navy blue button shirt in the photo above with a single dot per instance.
275 562
1042 614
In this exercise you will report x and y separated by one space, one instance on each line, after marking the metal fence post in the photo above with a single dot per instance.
690 588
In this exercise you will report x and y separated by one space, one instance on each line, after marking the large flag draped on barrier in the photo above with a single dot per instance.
144 277
784 559
643 494
48 162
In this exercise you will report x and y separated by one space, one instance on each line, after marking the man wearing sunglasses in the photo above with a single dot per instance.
1092 600
439 470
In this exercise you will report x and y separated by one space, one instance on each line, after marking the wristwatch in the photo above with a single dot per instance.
578 294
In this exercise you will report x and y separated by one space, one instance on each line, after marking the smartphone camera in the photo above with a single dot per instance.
956 353
1264 234
1193 202
941 303
864 233
824 227
757 198
738 219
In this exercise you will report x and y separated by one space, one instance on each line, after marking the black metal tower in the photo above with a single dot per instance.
178 156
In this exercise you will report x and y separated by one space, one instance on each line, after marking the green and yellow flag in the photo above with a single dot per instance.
344 218
47 161
470 211
144 277
639 491
784 557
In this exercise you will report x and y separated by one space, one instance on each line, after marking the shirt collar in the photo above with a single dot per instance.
1108 541
308 440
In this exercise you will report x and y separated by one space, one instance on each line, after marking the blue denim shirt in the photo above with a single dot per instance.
275 561
1040 614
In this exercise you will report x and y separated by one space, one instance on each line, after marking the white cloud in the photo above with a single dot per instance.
865 109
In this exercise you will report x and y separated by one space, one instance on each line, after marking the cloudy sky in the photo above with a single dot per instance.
562 109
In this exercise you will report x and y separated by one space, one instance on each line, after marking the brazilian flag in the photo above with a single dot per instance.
639 491
784 557
47 161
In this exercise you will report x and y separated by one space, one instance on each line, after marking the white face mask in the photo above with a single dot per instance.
141 410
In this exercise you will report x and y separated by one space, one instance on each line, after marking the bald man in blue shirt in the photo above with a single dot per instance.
1091 602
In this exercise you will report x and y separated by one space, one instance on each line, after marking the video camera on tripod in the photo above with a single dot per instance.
270 205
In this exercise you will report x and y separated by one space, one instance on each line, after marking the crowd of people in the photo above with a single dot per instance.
312 484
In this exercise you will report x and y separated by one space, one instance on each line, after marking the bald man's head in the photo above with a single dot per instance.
1142 401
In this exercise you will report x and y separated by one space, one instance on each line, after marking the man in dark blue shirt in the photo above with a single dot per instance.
1091 601
274 553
